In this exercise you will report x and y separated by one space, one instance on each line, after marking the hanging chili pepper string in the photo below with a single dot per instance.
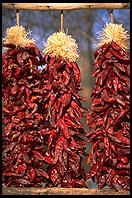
64 112
22 115
109 118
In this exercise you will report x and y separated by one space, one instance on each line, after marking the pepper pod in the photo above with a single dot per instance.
109 118
64 112
22 111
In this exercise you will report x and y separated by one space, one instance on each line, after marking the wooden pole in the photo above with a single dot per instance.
65 6
61 191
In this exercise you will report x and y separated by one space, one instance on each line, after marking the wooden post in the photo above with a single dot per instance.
65 6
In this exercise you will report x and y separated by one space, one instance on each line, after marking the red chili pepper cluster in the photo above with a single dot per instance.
23 117
64 111
41 116
109 118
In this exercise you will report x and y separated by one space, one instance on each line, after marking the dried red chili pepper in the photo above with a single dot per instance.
23 117
109 118
64 111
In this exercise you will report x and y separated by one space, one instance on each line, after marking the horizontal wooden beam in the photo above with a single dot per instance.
65 6
61 191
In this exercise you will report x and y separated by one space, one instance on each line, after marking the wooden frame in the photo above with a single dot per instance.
65 6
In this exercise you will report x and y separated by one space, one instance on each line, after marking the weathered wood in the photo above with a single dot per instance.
65 6
60 191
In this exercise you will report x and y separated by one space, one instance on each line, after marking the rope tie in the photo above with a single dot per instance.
62 21
17 17
111 16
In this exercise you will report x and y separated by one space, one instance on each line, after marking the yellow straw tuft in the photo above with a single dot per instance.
60 44
18 36
116 33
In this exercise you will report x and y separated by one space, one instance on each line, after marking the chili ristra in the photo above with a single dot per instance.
109 118
63 114
22 114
